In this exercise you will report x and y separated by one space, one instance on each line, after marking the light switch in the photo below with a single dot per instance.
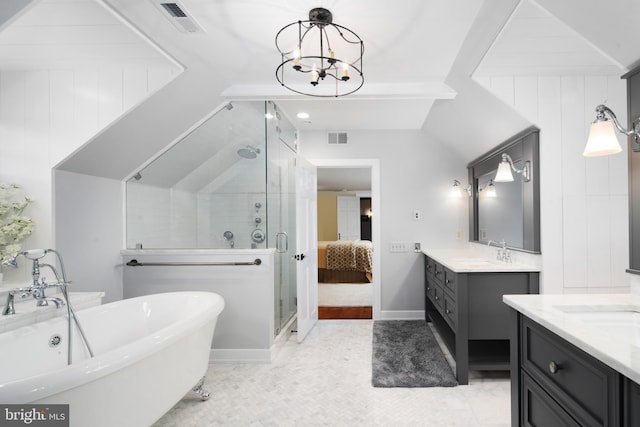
416 215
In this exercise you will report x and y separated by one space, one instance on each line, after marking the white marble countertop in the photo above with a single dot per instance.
468 262
607 326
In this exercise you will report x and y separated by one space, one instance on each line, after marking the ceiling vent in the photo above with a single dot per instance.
337 137
178 16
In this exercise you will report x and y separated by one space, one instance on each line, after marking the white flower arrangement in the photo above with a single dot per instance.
14 227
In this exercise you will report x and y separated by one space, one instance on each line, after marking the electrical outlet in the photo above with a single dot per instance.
458 235
399 247
416 215
416 247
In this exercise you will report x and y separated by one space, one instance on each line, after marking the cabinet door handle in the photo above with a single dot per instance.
553 367
447 281
438 273
447 311
437 298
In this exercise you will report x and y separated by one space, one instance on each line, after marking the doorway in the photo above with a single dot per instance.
354 292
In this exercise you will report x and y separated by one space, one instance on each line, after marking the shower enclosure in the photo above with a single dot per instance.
228 184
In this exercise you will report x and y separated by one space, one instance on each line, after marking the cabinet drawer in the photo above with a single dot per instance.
438 297
431 291
585 386
449 309
539 409
431 267
451 281
439 273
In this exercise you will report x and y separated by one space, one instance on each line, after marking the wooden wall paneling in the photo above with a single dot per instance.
110 96
62 114
86 105
551 215
134 87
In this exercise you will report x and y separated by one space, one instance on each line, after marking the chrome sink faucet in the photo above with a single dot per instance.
502 253
505 256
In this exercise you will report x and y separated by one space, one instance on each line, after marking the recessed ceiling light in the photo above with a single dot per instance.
303 115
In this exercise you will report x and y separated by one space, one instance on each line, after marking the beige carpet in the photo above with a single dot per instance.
345 294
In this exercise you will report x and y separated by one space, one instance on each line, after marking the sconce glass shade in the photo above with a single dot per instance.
504 172
602 139
491 190
456 190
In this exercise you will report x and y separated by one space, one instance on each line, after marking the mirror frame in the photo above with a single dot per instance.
524 146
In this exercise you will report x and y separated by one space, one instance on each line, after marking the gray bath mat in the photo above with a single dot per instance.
406 354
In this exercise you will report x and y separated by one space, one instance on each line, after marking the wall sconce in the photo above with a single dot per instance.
602 139
456 190
490 190
506 166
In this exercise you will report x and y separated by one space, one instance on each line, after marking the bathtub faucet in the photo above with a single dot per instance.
37 289
37 293
8 307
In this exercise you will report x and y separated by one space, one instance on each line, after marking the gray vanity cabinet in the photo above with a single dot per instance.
468 312
631 403
554 383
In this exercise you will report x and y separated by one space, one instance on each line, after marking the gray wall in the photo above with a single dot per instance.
245 327
416 173
88 229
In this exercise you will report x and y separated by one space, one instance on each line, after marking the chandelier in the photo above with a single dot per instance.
320 58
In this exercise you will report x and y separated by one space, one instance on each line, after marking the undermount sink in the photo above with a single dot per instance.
620 321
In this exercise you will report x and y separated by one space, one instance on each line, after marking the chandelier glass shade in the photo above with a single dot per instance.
320 58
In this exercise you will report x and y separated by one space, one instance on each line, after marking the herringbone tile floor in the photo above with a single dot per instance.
326 381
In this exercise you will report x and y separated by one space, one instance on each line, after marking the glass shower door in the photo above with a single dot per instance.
281 218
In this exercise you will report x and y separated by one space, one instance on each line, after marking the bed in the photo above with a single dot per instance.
344 261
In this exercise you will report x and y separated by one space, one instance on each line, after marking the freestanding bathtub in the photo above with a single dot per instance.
148 353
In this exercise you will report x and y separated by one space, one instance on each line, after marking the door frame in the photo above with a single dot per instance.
374 166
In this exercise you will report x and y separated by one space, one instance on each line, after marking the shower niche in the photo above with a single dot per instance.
227 185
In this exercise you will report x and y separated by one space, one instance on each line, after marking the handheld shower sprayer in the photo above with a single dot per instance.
32 254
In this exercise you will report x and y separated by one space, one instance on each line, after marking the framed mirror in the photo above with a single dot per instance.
508 211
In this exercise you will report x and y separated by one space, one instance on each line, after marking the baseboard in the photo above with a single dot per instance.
401 315
254 355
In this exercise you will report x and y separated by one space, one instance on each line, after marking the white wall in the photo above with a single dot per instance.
245 328
416 174
47 114
161 217
88 231
584 201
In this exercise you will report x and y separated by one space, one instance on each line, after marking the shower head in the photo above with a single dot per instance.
248 152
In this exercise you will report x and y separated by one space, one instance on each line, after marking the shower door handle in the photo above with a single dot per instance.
279 242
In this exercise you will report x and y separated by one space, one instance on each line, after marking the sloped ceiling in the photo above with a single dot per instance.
419 59
534 38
